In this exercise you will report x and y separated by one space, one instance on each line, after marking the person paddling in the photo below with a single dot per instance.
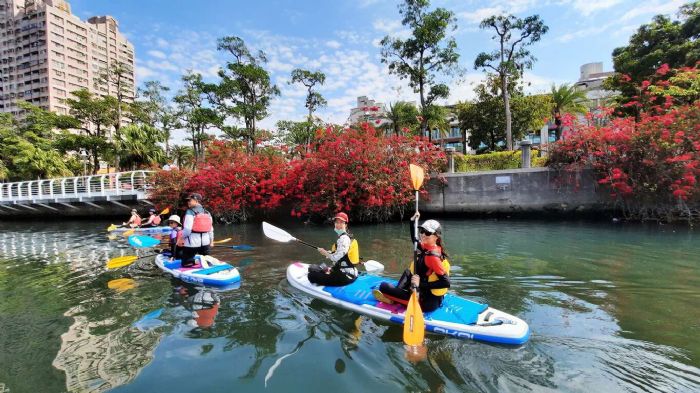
197 230
175 237
134 220
344 254
429 271
153 219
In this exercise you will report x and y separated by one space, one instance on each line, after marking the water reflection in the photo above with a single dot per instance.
610 310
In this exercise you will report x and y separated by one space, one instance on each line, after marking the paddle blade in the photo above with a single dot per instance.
111 228
228 239
143 241
128 233
242 247
165 211
275 233
417 175
121 261
373 266
413 323
121 284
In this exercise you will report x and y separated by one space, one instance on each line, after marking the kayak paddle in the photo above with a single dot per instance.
283 236
143 241
237 247
121 284
413 323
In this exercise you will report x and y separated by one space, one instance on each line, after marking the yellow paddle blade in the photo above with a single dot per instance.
413 323
121 284
228 239
128 233
121 261
165 211
417 175
111 228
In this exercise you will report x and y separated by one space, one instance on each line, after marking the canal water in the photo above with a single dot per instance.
612 308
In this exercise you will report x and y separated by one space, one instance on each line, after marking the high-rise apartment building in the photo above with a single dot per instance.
46 52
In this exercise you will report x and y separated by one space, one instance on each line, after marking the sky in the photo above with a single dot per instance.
341 38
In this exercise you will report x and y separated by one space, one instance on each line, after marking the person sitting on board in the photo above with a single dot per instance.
134 220
345 255
175 237
153 219
197 230
429 272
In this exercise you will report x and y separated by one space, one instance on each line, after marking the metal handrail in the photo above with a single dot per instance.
118 183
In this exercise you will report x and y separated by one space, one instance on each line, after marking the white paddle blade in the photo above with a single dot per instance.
373 266
275 233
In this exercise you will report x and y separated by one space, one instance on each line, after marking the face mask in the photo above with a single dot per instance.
339 231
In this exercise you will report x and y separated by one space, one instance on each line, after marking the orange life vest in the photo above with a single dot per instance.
203 222
156 220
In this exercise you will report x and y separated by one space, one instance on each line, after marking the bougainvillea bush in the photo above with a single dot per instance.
651 164
359 171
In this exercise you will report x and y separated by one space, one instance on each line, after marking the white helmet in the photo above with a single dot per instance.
175 218
432 226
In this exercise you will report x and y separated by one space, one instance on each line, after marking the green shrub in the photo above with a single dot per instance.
495 161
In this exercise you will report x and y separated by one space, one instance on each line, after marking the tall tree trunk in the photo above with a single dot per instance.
506 103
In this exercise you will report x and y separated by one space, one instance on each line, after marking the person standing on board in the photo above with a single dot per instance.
429 271
345 255
197 230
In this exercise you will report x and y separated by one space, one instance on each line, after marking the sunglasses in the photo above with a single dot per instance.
426 233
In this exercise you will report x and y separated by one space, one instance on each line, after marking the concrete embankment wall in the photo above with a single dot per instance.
535 191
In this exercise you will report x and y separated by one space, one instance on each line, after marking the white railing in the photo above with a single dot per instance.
120 183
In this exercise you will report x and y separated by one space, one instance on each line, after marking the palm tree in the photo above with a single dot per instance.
402 115
566 99
138 146
182 155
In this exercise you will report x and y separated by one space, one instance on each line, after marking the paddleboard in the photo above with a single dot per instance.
148 230
457 317
216 273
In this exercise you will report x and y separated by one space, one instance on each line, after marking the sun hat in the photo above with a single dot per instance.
431 226
342 216
175 218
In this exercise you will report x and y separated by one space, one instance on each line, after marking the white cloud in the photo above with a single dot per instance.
333 44
475 17
157 54
144 73
582 33
653 8
587 7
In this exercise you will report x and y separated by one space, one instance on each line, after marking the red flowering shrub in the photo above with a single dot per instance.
235 184
358 171
651 166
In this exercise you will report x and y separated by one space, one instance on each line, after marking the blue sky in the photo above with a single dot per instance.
340 38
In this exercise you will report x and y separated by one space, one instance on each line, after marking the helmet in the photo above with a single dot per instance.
431 226
341 216
174 218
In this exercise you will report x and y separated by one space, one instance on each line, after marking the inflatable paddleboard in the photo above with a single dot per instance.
147 230
457 317
214 273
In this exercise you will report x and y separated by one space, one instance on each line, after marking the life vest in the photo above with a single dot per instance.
156 221
352 258
432 277
179 240
203 222
137 221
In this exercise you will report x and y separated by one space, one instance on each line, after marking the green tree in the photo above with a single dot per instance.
119 76
297 133
157 112
26 147
566 99
182 155
485 118
403 115
138 146
96 116
194 113
314 99
244 90
421 57
511 58
663 41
